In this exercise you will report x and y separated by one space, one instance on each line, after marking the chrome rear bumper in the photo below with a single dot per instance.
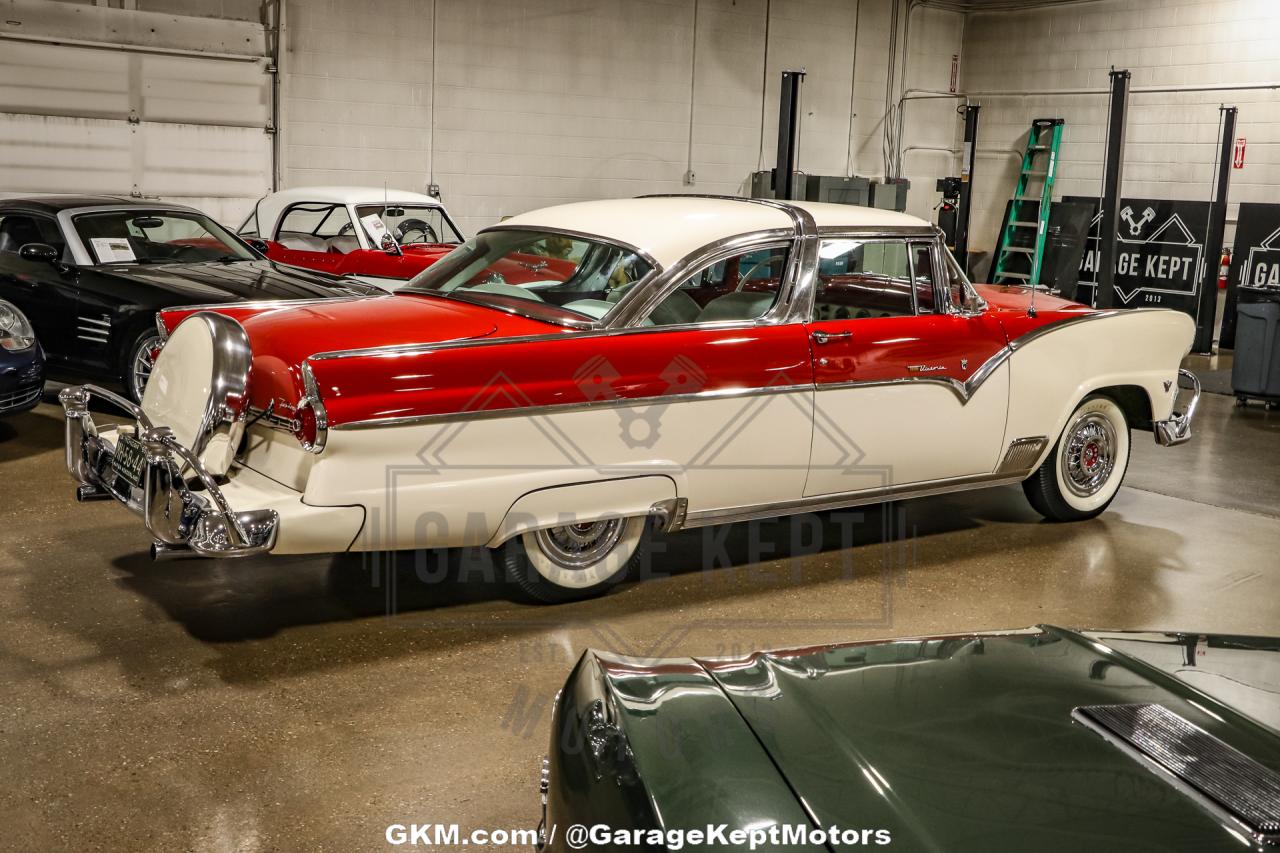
176 515
1177 428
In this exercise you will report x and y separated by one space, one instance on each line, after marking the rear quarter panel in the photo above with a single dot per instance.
1051 373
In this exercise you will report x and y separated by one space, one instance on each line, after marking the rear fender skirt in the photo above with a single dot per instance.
583 502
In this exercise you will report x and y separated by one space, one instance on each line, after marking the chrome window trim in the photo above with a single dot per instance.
956 269
564 408
795 303
872 237
697 262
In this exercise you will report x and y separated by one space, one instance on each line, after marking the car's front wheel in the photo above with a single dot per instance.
1081 476
576 561
140 360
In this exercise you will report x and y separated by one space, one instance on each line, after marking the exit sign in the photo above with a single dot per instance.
1237 158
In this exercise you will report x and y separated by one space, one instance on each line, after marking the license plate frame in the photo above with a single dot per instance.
129 460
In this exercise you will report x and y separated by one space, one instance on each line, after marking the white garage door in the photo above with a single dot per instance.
107 120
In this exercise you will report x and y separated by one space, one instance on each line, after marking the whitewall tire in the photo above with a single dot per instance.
1081 476
576 561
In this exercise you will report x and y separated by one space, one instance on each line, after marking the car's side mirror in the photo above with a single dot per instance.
257 244
40 252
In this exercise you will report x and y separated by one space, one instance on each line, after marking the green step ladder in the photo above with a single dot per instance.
1020 251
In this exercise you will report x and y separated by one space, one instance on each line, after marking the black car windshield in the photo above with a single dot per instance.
411 224
546 275
139 236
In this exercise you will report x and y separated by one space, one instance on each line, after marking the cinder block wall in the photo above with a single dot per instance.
539 102
1171 144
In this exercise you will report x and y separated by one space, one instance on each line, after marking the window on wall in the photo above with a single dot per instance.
739 288
866 279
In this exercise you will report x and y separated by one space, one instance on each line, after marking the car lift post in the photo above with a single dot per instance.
1105 293
788 134
1208 297
966 179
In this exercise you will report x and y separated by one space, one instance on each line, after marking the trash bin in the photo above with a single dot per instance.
1255 373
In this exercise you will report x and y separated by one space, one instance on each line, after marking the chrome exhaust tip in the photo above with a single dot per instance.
164 551
86 493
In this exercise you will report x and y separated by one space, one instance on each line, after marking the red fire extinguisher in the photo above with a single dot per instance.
1224 269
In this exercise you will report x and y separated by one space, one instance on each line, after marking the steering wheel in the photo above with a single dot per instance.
419 226
346 229
182 252
746 277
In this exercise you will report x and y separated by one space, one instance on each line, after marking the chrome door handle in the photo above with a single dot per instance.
826 337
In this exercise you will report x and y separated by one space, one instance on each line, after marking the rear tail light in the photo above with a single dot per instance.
311 424
305 427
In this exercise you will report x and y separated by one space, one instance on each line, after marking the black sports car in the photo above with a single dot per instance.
91 272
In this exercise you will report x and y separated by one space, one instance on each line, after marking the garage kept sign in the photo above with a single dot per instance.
1159 253
1255 259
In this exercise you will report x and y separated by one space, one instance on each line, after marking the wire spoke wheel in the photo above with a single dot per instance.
577 546
1088 456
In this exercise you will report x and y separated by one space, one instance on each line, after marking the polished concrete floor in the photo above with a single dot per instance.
306 703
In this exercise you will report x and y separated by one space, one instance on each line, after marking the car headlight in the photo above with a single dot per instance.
16 333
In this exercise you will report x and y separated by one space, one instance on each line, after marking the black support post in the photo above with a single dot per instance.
1105 293
788 134
966 180
1208 296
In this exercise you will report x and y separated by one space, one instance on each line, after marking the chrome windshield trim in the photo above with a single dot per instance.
565 408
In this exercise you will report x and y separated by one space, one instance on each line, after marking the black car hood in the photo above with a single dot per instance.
212 281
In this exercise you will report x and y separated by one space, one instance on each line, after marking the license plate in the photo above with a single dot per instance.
129 460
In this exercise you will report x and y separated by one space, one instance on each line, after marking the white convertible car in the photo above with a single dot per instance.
574 377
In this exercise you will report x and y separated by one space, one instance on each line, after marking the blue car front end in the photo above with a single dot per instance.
21 362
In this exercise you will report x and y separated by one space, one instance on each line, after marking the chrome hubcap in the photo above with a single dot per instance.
1088 455
143 363
577 546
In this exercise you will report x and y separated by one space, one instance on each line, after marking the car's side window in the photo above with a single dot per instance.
738 288
19 229
318 228
862 279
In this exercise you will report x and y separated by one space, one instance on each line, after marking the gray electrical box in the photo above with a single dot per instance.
837 189
891 195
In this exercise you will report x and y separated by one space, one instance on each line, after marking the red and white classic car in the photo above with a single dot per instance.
383 237
706 360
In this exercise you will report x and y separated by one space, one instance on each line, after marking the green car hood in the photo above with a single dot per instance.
967 743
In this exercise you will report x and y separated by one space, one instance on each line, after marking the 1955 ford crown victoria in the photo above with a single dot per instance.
706 360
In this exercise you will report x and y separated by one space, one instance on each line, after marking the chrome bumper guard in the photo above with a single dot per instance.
1177 428
177 516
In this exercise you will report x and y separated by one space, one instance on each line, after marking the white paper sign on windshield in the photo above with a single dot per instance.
112 250
377 230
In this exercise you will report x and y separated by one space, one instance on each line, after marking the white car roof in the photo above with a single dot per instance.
670 227
270 207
